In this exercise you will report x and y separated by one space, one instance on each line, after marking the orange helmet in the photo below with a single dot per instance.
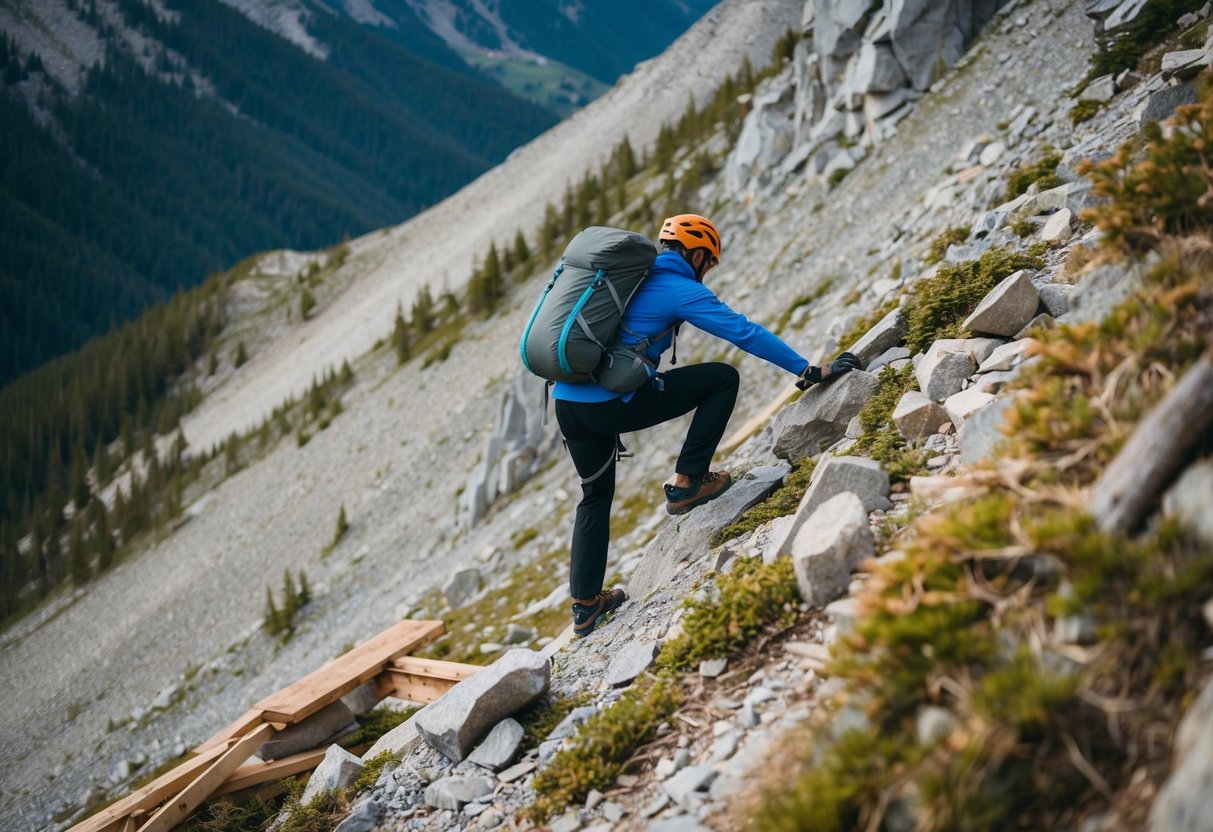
693 231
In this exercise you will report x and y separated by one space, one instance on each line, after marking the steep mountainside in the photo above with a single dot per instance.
192 134
966 587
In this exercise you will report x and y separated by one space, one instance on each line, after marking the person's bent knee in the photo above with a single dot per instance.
728 375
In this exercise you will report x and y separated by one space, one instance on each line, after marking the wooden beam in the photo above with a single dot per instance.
300 700
151 795
435 668
243 724
414 687
255 773
199 789
1158 449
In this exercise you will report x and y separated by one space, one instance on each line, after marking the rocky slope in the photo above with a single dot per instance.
799 251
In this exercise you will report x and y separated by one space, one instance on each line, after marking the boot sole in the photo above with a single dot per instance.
675 512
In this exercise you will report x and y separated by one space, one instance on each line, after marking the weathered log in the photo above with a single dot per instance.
1156 452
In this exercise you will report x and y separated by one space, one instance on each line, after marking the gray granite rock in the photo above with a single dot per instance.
453 792
500 747
338 769
687 536
690 779
885 335
1185 802
916 416
1057 228
1007 356
322 727
630 662
462 587
829 545
568 726
819 418
981 432
834 475
1102 289
887 358
1055 297
454 723
711 668
1190 499
1006 308
1163 103
364 818
517 771
963 404
942 373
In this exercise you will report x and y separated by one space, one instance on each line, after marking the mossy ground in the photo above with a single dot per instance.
783 501
879 438
1041 173
1046 734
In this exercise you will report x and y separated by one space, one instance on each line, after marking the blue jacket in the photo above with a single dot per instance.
669 296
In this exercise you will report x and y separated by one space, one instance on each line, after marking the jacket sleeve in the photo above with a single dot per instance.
701 308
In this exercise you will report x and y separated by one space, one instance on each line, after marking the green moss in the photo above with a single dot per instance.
751 598
939 246
782 501
838 175
370 773
602 747
937 306
1195 37
1023 227
1084 110
539 718
522 537
880 440
1042 174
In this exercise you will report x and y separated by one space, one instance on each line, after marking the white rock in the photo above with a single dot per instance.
338 769
829 545
1006 308
992 153
961 405
1007 356
1057 229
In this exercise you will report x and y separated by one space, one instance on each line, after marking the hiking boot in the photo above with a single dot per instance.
703 489
587 616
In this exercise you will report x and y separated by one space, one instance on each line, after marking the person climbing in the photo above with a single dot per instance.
591 417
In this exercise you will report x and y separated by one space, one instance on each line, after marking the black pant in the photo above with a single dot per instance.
590 431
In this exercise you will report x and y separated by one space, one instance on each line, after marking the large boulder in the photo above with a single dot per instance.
926 37
819 418
948 362
835 475
1007 308
982 430
457 721
830 544
963 404
462 587
875 69
688 536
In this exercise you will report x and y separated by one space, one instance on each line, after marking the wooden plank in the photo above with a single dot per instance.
245 723
340 676
416 688
435 668
255 773
1157 451
151 795
200 788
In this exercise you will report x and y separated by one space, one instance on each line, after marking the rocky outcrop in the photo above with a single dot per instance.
518 445
820 417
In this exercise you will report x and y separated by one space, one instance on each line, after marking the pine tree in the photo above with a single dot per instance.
522 252
307 302
273 618
342 526
400 338
347 372
549 234
77 556
103 542
423 311
78 478
103 466
305 591
240 358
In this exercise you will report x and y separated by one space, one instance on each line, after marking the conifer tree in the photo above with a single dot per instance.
522 252
307 302
77 556
400 338
342 526
78 478
347 372
305 591
423 311
550 232
102 540
240 358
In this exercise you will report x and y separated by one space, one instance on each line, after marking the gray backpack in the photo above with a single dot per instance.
573 329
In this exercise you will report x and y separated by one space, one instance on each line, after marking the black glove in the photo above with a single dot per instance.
839 366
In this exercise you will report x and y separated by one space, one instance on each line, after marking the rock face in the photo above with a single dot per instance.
458 720
819 418
338 769
829 545
517 447
687 536
916 416
1009 306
